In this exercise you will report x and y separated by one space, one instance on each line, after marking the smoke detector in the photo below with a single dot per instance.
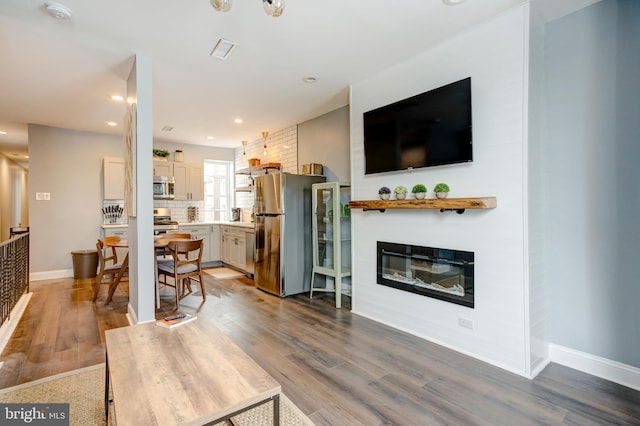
58 11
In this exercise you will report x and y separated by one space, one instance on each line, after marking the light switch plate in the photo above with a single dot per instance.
43 196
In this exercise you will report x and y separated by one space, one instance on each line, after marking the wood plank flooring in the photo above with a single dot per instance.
337 367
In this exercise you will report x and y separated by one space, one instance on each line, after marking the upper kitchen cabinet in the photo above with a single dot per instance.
162 168
113 178
189 181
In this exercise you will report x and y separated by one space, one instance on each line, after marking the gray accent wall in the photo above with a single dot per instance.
325 140
68 165
592 150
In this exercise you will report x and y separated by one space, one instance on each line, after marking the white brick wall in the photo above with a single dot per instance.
282 147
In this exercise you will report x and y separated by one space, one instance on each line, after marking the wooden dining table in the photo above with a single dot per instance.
158 243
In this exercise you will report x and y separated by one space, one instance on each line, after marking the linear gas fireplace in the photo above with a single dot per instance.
434 272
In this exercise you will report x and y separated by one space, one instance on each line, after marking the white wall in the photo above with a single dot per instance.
494 55
13 196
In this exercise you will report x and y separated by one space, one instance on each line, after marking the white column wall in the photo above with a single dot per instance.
494 55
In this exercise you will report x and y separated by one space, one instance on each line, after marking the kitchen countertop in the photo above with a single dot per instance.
229 223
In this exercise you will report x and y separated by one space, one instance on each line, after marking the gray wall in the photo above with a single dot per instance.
325 140
67 164
592 186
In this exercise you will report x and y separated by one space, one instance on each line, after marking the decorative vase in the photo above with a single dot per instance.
401 196
420 195
384 196
441 194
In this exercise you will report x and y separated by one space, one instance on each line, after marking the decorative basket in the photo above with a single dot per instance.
254 162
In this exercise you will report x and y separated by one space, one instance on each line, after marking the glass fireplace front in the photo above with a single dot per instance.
434 272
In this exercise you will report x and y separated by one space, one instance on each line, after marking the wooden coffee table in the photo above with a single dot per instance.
189 375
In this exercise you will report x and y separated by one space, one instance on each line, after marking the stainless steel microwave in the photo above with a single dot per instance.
163 188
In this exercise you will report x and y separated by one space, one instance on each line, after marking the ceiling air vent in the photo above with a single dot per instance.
222 49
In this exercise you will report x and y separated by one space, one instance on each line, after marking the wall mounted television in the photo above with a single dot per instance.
429 129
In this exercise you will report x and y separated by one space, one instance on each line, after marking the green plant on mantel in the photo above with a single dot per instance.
161 153
418 188
400 190
441 187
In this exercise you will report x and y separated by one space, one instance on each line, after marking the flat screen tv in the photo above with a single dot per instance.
429 129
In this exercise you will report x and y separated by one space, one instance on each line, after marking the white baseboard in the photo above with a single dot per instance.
51 275
614 371
9 326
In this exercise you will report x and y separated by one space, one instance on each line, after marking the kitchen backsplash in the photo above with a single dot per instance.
179 209
282 147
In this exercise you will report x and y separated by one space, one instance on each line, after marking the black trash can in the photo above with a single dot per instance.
85 263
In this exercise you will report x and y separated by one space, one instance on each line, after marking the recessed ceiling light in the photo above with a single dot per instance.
117 98
2 132
223 49
310 79
58 11
210 138
111 123
238 120
452 2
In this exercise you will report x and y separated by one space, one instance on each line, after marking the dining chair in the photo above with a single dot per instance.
108 262
185 266
163 253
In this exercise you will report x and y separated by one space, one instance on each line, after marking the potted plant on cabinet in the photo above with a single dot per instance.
384 193
401 192
419 191
160 154
441 190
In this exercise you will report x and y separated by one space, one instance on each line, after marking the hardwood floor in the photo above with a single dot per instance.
337 367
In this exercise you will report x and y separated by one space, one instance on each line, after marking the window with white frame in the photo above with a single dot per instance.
217 190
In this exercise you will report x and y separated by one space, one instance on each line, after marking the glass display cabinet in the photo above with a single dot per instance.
331 239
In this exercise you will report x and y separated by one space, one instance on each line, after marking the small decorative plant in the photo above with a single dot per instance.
419 191
161 153
401 192
441 190
384 193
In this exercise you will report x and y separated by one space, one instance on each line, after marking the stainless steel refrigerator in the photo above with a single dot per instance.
283 246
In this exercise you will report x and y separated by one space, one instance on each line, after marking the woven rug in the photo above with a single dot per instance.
223 273
83 389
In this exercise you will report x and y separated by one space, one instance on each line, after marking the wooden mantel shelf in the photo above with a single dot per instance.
443 204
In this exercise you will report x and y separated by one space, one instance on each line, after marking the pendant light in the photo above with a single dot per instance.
271 7
221 5
265 135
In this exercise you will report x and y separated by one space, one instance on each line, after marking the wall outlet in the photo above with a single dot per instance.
465 322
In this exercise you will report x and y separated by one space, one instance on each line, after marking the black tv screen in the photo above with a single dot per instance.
429 129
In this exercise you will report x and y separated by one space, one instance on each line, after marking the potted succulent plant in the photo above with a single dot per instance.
160 154
401 192
419 191
441 190
384 193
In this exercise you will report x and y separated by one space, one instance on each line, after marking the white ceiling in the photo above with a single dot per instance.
62 73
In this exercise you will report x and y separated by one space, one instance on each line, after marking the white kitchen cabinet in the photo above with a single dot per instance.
234 247
163 168
113 178
214 249
189 181
200 232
